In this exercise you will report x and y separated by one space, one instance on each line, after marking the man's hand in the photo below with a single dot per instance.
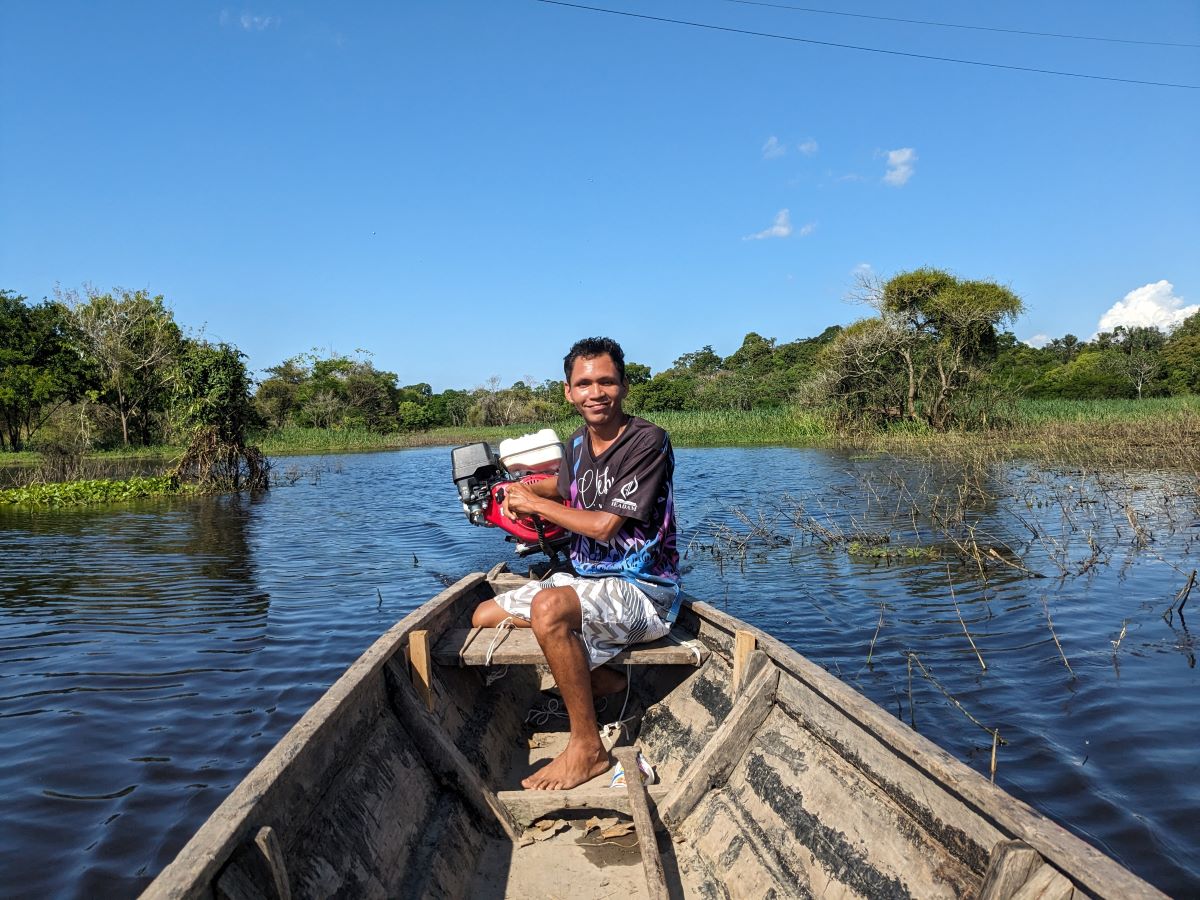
522 499
519 499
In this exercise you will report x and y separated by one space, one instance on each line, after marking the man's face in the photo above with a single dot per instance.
596 390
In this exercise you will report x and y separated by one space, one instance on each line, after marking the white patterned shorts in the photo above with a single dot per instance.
615 612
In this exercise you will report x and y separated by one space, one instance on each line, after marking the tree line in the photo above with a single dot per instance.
110 369
98 369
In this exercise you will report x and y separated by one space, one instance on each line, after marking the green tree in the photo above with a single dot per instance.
662 392
414 416
1181 357
278 396
1092 375
450 407
940 332
636 373
213 408
860 373
1139 358
699 362
133 340
1018 366
40 369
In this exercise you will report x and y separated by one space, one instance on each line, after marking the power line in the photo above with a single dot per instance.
800 40
1048 34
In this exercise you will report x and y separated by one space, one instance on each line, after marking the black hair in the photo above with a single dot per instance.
594 346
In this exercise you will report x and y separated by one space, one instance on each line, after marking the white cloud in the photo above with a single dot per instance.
1151 304
773 149
249 21
862 269
806 230
780 228
1038 341
252 22
808 147
900 166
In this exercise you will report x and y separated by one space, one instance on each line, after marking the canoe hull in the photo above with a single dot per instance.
776 779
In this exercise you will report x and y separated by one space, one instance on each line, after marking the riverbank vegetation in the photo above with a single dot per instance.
80 370
932 365
100 490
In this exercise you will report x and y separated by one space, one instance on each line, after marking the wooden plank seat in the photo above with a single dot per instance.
518 647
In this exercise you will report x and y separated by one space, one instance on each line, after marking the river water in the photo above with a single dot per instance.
151 653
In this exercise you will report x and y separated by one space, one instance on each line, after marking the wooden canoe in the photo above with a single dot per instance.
775 780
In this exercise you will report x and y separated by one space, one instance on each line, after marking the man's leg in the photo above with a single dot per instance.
557 619
489 614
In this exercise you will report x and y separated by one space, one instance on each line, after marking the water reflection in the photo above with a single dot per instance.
151 653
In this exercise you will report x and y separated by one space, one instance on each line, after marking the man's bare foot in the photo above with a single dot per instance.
569 769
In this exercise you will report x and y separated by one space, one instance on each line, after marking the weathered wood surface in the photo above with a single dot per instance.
256 871
529 806
502 581
441 755
743 645
711 768
1011 864
469 646
794 812
1046 883
643 823
421 665
1087 867
689 706
293 776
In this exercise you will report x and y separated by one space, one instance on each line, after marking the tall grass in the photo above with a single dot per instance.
756 427
1035 411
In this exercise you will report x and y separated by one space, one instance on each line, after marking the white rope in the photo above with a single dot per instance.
628 685
556 709
540 715
497 639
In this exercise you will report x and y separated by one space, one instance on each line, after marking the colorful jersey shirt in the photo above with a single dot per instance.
632 478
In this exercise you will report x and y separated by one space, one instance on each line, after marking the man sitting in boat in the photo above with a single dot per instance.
617 477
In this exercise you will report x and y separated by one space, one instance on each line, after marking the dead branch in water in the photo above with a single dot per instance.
1120 637
954 600
1181 599
912 718
871 649
994 732
1050 625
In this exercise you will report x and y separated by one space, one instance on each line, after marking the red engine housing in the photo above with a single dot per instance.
523 529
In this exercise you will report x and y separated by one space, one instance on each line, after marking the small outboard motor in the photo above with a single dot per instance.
482 477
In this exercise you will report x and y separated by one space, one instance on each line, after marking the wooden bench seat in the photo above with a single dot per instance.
469 646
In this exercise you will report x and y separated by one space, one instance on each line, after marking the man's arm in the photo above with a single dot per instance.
545 487
524 499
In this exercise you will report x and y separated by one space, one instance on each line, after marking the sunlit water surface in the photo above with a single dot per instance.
151 654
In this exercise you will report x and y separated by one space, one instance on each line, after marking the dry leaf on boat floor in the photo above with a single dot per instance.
596 822
614 831
543 830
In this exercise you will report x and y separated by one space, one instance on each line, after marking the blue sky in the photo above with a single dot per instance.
464 188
